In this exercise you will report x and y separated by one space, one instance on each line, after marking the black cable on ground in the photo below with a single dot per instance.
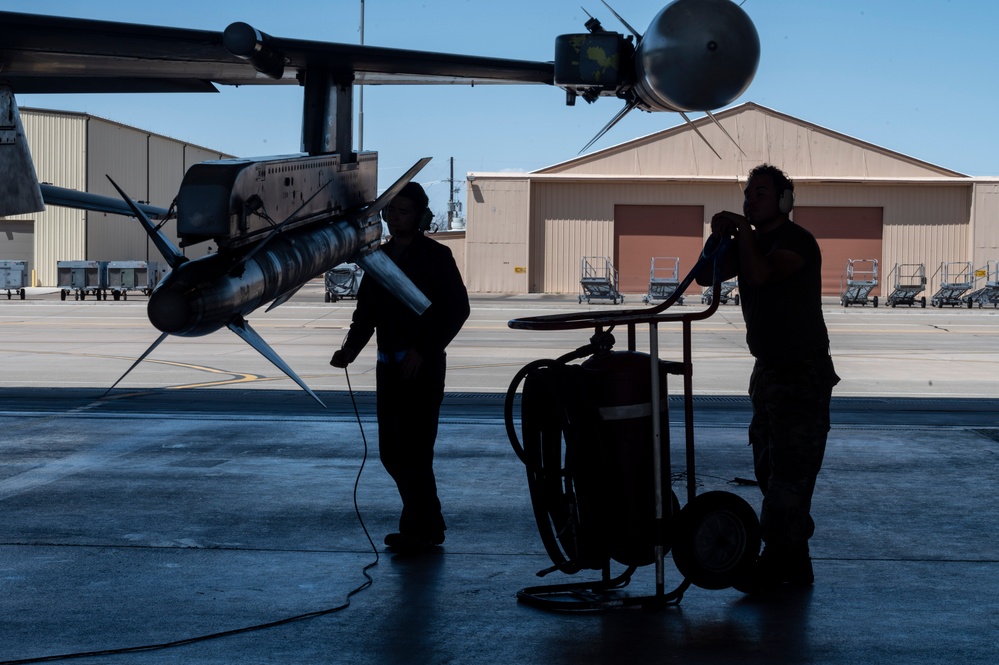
248 629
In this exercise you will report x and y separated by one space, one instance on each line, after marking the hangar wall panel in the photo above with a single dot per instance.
123 154
498 236
576 218
985 213
922 223
166 171
455 241
58 150
75 150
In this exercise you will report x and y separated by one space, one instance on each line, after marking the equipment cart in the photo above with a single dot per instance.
724 294
988 294
956 277
910 281
861 278
13 277
125 276
663 279
343 281
607 494
81 278
598 279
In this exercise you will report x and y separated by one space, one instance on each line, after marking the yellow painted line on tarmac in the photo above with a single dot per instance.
236 377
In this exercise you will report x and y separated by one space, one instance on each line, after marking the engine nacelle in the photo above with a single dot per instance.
696 55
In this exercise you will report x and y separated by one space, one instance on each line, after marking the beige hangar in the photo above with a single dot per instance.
77 151
654 196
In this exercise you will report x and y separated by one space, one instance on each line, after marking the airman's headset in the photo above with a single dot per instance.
781 182
786 202
415 193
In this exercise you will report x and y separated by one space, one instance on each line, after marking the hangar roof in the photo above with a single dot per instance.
803 149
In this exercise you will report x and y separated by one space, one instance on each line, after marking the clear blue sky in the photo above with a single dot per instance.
918 77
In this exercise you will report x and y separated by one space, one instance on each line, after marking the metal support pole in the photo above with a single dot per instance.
657 459
688 409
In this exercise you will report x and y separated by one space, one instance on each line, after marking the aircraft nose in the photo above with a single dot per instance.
169 311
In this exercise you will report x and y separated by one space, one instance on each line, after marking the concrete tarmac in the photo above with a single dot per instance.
208 495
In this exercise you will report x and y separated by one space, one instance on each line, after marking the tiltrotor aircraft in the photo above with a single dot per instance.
279 222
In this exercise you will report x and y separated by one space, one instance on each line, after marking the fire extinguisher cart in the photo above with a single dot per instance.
714 537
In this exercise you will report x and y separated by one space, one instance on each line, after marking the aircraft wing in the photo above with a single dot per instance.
51 54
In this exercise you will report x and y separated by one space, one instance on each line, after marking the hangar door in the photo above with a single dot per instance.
642 232
844 233
17 241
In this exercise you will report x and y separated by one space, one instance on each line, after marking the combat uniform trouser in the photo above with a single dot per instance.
408 413
788 434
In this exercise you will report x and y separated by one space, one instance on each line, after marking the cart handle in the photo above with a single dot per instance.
714 250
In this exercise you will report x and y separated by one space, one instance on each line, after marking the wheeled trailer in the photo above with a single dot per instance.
910 281
714 537
13 277
725 295
663 279
956 278
138 276
598 280
343 281
861 278
988 294
81 278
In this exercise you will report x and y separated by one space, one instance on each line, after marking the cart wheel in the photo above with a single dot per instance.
125 295
62 294
717 540
326 297
82 295
875 302
9 295
922 302
735 299
116 295
581 300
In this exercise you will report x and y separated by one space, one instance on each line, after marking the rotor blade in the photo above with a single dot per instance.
698 132
173 256
141 358
623 22
725 131
384 271
616 119
242 328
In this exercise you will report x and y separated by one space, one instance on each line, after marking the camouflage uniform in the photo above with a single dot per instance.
788 434
790 387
